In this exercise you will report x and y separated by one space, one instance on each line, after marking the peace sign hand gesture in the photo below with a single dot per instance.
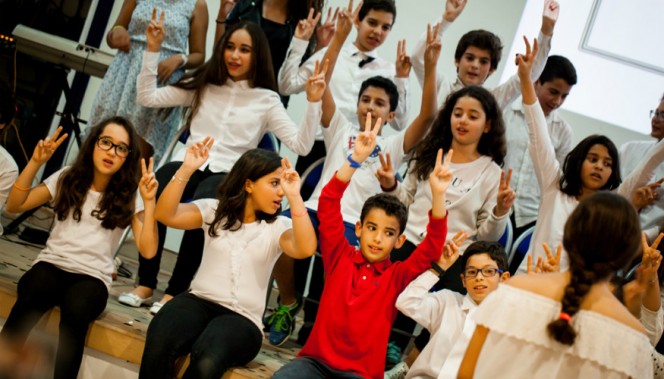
197 154
403 63
451 250
148 184
441 176
385 173
316 83
506 195
433 47
326 30
47 146
305 28
652 258
552 263
537 269
365 143
155 31
290 180
525 61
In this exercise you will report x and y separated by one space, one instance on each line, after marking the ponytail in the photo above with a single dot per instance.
561 329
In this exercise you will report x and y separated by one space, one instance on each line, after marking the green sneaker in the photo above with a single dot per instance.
282 323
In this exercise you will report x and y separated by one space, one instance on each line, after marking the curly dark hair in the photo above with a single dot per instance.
232 196
481 39
214 71
491 143
116 206
570 181
601 236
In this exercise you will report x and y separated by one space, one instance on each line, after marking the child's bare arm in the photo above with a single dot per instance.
299 242
144 224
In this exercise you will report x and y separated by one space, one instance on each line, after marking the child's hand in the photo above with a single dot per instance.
453 9
316 83
46 147
403 64
451 250
432 51
346 20
155 31
646 195
305 28
290 180
365 143
167 67
385 173
121 39
532 270
197 154
441 176
525 61
326 30
226 7
506 195
148 184
651 260
552 263
550 16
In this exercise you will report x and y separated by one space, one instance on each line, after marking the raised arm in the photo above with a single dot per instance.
428 109
23 196
299 242
169 210
197 35
144 224
225 8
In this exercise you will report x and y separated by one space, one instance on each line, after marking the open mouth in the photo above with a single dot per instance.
375 250
108 162
233 66
596 176
479 288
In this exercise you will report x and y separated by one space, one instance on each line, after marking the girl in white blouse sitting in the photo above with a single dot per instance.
218 322
233 99
94 201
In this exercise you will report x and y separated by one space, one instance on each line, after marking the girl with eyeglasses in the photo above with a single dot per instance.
94 200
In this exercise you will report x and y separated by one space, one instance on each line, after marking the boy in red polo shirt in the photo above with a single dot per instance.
349 337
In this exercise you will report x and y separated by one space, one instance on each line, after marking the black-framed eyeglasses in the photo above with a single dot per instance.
487 272
657 114
106 144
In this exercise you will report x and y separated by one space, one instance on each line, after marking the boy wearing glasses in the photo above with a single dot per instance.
445 314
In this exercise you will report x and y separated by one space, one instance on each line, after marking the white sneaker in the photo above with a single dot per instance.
397 372
156 307
133 300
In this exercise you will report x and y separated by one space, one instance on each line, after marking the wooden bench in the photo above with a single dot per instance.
120 331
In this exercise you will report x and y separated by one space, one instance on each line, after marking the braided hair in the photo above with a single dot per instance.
601 236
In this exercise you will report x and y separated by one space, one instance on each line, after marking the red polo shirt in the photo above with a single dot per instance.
357 306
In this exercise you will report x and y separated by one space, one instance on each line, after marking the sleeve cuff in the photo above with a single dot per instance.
151 61
437 226
299 45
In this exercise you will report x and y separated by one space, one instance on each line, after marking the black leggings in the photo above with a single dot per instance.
216 337
81 299
201 185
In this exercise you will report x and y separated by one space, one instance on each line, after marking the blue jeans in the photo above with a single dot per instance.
309 368
216 337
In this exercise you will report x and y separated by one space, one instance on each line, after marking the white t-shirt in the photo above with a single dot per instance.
236 266
339 140
518 345
83 247
8 175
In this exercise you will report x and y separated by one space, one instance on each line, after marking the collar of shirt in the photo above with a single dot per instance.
467 304
354 51
517 106
243 84
379 267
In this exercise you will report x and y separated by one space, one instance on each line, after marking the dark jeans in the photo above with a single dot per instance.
216 337
309 368
81 299
201 185
451 281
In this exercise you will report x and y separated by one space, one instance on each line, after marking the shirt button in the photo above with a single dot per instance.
364 277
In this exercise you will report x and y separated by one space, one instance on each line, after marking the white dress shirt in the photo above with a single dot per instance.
8 175
346 78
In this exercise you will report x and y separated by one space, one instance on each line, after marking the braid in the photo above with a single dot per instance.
581 280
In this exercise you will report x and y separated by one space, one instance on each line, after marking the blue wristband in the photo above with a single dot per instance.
353 163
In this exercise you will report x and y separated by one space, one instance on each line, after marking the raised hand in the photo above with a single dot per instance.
403 64
453 9
47 146
155 31
226 7
365 143
385 173
290 180
552 262
346 20
432 50
316 83
148 184
550 16
525 61
537 269
647 195
197 154
506 195
651 260
451 250
305 28
441 176
326 30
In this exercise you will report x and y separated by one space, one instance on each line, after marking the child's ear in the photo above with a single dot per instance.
356 22
390 117
487 126
463 280
358 229
491 71
400 241
248 186
456 64
504 277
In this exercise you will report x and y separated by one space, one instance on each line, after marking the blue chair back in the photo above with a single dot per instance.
310 178
269 142
520 249
506 238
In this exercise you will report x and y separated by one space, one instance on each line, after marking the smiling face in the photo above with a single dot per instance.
657 123
474 66
468 122
480 286
108 162
265 194
552 94
378 234
596 168
373 29
238 55
376 101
